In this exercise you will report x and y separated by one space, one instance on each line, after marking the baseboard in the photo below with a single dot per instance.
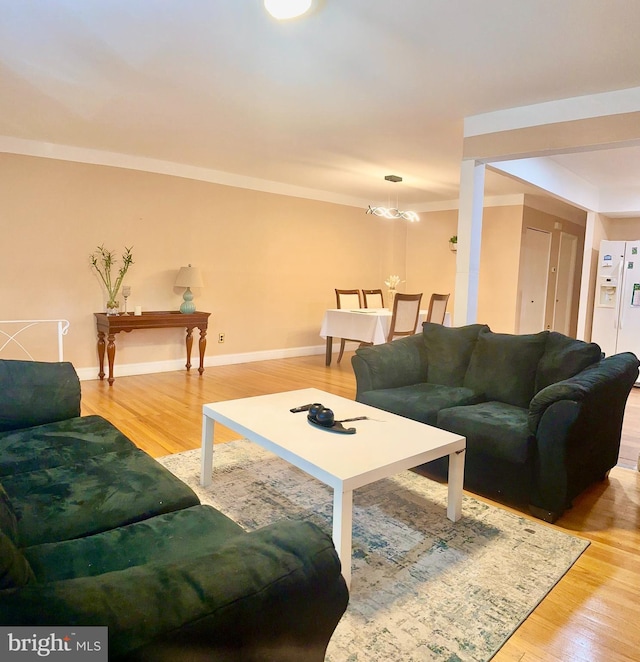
129 369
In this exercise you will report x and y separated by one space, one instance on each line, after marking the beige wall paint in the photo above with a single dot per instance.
431 266
499 267
623 229
270 262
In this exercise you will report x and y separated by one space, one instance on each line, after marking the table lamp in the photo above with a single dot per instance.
188 277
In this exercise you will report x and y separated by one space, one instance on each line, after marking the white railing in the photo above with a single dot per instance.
12 336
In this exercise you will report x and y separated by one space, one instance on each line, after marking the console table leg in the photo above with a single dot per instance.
202 346
101 348
111 355
189 346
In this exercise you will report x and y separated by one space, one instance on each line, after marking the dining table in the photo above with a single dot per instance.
367 325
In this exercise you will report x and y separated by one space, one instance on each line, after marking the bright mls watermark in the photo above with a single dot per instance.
89 644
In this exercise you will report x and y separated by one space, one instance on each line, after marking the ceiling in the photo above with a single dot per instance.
331 102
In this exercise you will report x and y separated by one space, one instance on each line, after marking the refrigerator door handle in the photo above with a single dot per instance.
617 319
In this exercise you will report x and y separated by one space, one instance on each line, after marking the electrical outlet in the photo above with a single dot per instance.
221 337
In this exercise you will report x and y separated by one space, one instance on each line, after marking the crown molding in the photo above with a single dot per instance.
21 146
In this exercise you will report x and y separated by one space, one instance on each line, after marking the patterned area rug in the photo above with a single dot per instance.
423 588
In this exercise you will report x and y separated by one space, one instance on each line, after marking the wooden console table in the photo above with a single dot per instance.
109 325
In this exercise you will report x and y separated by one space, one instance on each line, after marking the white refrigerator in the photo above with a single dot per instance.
616 311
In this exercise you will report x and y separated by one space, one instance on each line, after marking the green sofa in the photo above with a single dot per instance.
542 413
93 531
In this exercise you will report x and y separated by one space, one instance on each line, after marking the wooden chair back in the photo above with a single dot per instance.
348 299
406 310
373 298
437 308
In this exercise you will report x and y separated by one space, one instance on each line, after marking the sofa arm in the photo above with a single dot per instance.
577 425
618 371
566 390
35 393
398 363
277 588
550 490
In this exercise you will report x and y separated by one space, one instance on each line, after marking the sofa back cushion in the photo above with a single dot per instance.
563 358
37 392
14 568
504 366
449 351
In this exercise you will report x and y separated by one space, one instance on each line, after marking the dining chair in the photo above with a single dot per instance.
437 308
373 298
406 310
347 299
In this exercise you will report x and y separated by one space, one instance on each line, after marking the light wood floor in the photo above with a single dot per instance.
592 615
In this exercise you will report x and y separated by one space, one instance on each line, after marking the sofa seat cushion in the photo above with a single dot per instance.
503 366
99 493
172 537
8 521
244 589
496 429
449 350
59 444
14 568
420 402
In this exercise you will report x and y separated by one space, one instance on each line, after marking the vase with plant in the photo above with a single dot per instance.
103 261
453 242
392 283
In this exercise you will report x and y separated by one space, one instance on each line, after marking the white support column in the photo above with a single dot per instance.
584 333
465 310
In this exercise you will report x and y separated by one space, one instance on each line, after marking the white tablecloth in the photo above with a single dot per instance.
366 324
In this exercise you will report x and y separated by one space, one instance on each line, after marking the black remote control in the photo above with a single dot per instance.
295 410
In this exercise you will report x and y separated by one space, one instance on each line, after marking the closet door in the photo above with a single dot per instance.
565 277
534 280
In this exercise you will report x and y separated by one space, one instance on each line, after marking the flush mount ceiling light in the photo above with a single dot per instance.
393 212
284 9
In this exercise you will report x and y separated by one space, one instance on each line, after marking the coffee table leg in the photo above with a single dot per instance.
342 529
456 481
206 458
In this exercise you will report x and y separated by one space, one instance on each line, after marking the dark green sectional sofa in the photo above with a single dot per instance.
542 413
93 531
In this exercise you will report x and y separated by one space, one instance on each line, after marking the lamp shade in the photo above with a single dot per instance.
189 277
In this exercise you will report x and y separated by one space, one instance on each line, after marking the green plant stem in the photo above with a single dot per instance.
102 261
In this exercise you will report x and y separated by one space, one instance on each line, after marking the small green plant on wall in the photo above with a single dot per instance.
453 242
103 261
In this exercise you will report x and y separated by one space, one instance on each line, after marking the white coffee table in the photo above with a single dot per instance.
381 447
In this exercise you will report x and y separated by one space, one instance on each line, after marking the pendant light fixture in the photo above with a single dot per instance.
285 9
393 212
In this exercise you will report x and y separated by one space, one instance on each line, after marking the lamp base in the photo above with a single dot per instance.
188 307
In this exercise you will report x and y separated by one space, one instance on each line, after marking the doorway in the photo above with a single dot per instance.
534 280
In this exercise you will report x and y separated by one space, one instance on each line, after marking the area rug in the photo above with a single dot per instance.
423 588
